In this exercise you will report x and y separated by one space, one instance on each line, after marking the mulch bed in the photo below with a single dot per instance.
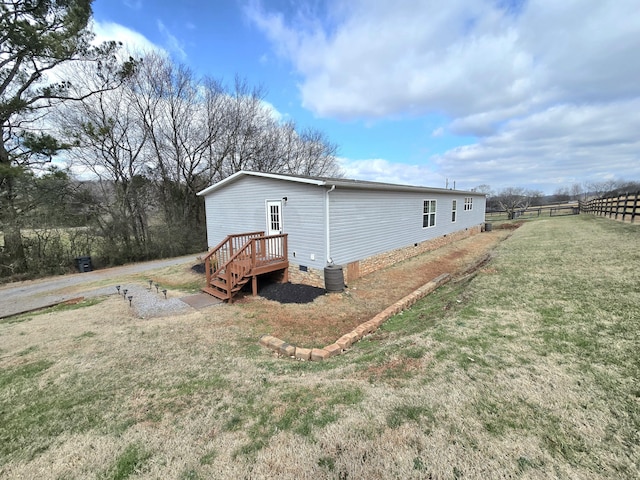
279 292
198 268
290 292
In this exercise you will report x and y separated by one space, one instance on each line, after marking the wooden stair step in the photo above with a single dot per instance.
222 285
216 293
239 286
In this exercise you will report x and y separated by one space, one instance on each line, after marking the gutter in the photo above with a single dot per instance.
327 225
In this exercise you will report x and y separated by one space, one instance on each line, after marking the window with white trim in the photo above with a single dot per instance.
454 210
468 203
428 213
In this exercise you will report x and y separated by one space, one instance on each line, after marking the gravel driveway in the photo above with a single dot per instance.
20 297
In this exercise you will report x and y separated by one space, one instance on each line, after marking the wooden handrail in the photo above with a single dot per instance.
224 250
234 263
266 255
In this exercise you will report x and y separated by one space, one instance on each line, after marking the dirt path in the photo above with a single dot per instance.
330 316
25 296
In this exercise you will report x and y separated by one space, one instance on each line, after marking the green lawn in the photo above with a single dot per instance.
527 369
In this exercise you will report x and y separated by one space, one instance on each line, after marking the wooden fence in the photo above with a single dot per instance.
538 211
624 208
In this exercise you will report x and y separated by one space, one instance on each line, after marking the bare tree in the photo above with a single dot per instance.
514 200
184 121
561 194
613 187
109 141
576 191
182 133
598 189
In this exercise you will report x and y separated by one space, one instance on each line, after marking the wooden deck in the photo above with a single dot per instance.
240 258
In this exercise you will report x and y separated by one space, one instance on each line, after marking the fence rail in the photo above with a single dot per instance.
624 208
538 211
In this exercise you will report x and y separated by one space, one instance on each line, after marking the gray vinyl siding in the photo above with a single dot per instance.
369 222
363 222
241 207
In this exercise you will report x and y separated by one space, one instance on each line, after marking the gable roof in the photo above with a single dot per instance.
329 181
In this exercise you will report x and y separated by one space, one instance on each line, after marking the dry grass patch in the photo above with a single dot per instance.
527 369
331 316
177 277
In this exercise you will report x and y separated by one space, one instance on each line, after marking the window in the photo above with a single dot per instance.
428 213
468 203
274 215
454 210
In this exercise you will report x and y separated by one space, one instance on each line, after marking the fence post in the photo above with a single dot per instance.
617 206
613 207
626 203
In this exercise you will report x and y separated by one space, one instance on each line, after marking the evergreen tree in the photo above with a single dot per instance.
37 39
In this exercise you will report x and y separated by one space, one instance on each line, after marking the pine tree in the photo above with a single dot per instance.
37 39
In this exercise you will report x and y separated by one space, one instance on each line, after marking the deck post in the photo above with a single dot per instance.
285 252
253 254
257 255
229 285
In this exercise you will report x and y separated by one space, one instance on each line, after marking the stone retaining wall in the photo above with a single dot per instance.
363 267
287 350
359 268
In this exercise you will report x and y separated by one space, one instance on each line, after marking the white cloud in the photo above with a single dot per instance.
174 45
550 88
133 41
394 57
438 132
561 145
133 4
458 57
380 170
273 112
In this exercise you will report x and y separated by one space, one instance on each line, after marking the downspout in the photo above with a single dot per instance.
327 224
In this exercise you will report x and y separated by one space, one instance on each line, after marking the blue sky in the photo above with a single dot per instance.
538 94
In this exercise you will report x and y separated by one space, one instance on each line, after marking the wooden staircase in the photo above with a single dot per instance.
242 257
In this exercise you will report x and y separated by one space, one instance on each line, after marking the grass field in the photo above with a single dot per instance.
527 369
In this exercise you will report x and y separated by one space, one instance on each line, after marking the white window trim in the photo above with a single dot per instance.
268 218
454 211
429 213
468 204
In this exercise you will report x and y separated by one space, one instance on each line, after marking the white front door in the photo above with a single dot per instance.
274 217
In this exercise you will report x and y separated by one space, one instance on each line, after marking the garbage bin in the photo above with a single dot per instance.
487 227
333 278
83 264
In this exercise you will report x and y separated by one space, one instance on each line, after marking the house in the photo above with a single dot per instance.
311 222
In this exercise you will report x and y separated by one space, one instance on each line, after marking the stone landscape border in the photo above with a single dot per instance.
284 349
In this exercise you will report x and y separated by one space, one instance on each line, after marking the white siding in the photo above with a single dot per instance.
241 207
368 222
